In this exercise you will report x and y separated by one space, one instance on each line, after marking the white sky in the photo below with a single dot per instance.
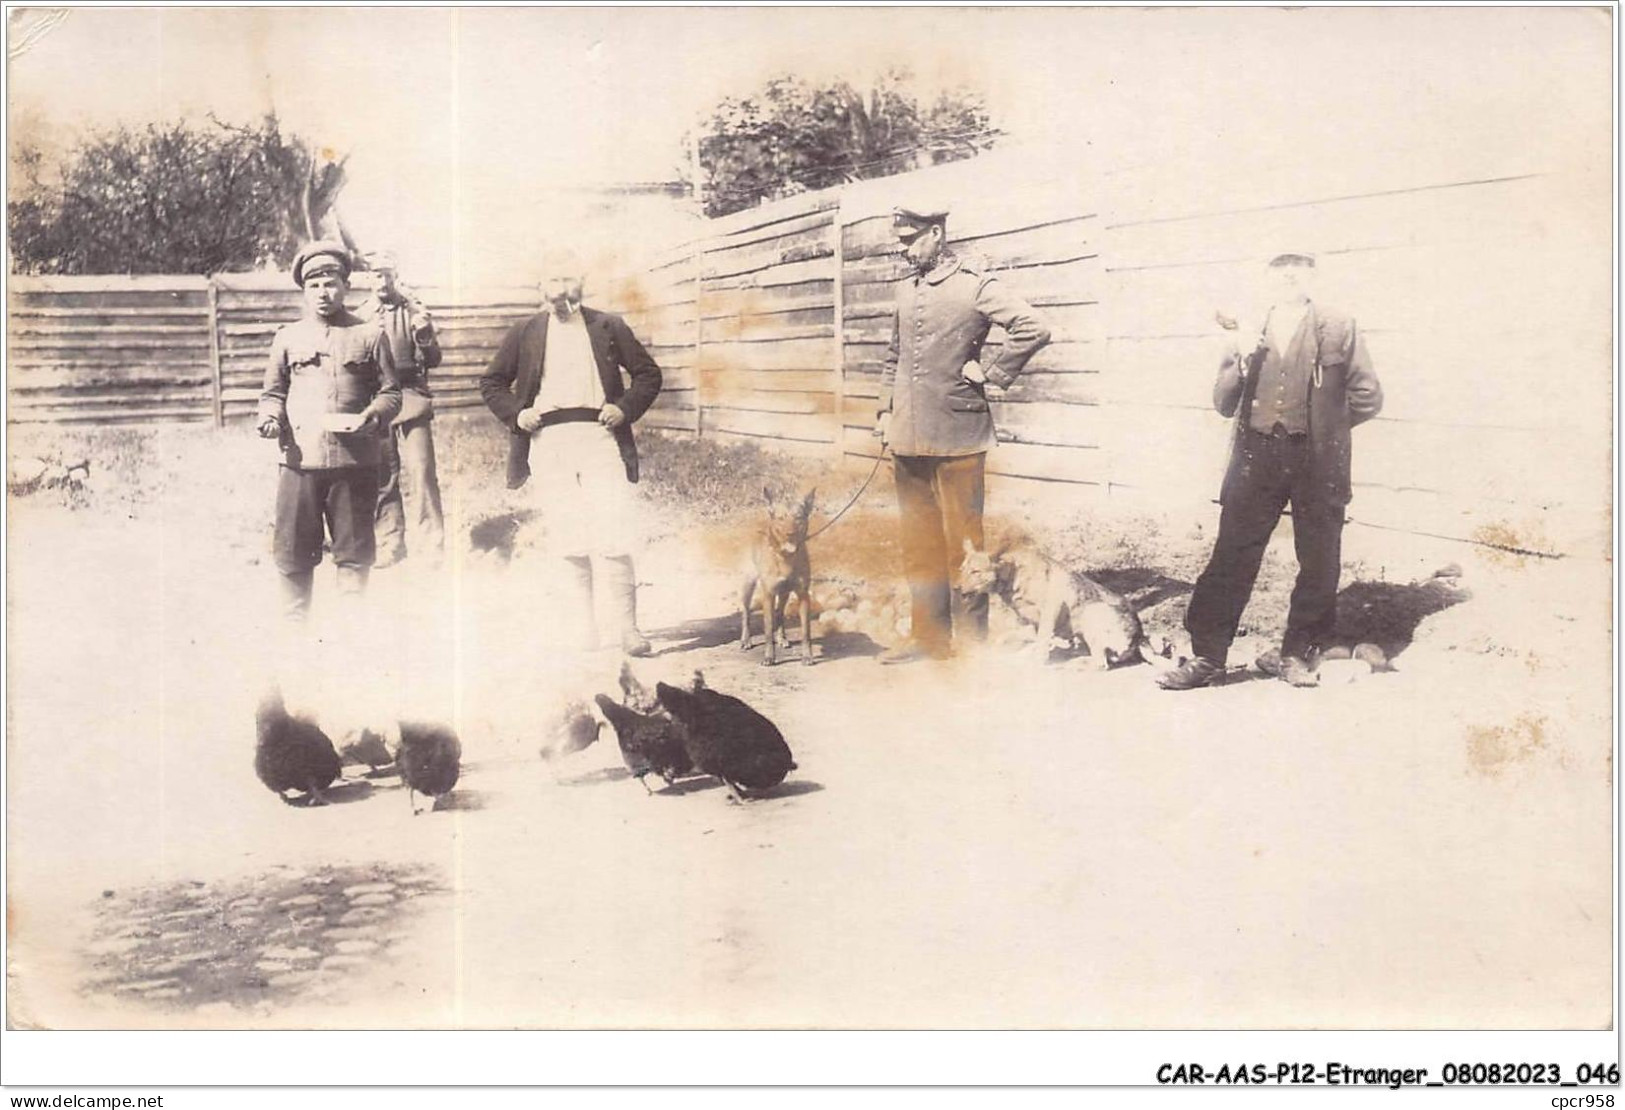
459 121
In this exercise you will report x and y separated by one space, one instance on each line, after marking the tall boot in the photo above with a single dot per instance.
349 625
584 613
623 585
296 591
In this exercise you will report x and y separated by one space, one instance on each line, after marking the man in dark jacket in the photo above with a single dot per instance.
934 416
556 386
409 444
330 391
1294 396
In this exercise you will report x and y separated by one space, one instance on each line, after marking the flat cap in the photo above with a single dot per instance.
1293 258
907 223
320 258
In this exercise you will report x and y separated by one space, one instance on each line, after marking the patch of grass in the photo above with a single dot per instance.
471 458
703 481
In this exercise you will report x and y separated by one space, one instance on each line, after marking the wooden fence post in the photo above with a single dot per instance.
698 257
838 318
214 353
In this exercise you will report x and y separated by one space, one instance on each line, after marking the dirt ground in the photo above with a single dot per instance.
980 843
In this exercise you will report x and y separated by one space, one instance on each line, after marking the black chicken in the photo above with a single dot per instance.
649 742
729 739
429 758
292 753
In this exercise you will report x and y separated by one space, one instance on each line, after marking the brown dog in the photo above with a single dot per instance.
780 565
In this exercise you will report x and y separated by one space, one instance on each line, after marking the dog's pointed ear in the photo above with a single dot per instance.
805 512
767 494
970 548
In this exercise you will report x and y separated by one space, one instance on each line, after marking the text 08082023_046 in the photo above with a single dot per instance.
1336 1074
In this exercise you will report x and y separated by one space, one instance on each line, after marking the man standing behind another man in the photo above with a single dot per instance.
934 415
330 391
407 447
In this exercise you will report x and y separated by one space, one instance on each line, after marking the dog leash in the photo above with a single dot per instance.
872 472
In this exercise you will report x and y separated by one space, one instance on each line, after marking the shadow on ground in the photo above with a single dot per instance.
699 784
596 776
792 789
705 632
496 534
1383 613
340 793
462 801
1146 587
713 632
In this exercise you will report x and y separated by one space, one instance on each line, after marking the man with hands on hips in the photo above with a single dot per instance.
934 415
556 384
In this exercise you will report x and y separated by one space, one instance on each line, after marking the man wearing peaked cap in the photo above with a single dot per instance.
330 389
321 258
1295 396
934 415
909 223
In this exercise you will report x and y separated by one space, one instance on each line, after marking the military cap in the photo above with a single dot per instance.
320 258
1293 258
908 223
383 260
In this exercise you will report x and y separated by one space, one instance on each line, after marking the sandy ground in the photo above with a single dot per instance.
980 843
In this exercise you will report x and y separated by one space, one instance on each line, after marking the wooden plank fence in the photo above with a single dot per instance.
1472 284
110 350
153 349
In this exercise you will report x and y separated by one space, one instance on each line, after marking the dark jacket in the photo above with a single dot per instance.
409 330
514 376
1343 392
942 320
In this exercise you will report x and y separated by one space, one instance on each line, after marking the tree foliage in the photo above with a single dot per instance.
793 136
177 198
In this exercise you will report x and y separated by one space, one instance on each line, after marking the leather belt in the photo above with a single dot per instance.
578 415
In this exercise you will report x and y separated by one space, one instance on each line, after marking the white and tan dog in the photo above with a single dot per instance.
1061 604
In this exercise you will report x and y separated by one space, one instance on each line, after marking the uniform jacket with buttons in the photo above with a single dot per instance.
942 320
318 367
514 377
1328 357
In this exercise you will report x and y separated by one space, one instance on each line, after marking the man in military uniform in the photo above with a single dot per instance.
1295 396
330 390
409 445
934 416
